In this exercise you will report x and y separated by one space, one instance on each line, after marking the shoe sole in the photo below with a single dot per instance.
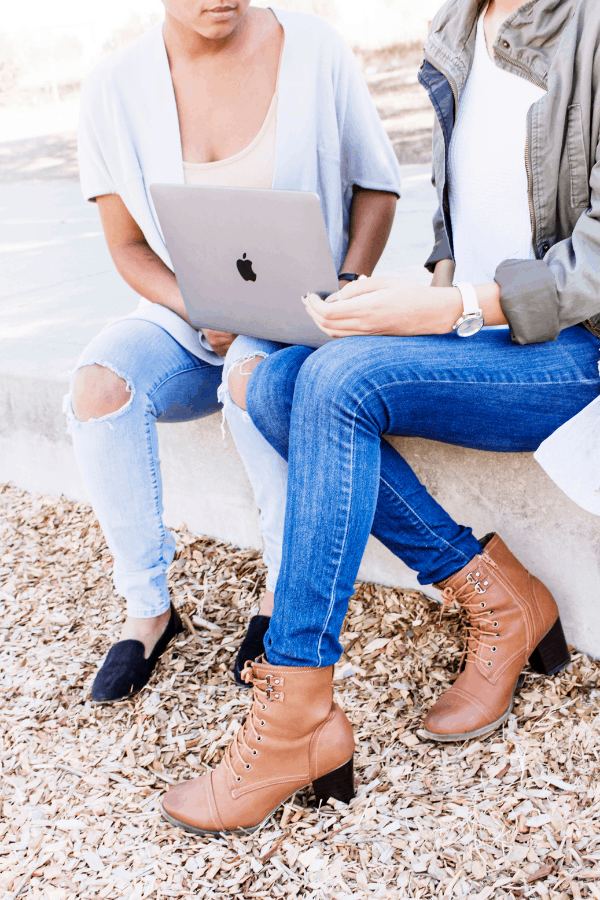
239 832
468 735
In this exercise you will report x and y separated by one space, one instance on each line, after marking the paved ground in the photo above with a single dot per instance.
39 159
59 287
40 143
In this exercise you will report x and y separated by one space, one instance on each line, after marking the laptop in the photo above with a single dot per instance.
244 258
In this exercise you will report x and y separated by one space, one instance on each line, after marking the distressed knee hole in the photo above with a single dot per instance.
238 379
97 392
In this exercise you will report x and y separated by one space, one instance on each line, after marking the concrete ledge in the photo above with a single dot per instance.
503 492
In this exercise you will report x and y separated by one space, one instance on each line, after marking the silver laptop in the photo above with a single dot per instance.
244 258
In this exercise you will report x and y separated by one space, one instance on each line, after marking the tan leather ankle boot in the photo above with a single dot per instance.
510 617
294 735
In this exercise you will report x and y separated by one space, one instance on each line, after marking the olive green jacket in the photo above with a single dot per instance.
556 45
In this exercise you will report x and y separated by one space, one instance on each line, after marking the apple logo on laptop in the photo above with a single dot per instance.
245 269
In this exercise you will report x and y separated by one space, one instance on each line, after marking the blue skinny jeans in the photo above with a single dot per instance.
326 412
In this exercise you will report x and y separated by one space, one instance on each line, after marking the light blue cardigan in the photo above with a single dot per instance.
329 137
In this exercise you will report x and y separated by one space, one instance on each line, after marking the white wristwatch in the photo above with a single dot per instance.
471 320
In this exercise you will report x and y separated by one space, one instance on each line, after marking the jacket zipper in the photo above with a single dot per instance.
530 191
527 145
454 90
520 66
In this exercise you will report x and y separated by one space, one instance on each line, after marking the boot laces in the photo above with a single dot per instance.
475 616
239 752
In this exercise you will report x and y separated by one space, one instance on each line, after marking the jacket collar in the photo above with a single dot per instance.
526 42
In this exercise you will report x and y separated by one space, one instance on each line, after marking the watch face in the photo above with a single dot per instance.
470 326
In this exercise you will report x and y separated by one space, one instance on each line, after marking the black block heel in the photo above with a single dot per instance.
551 654
338 784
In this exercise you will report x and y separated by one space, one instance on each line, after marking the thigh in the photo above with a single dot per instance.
484 392
178 385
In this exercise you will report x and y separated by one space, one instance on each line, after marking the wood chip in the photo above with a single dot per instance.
506 817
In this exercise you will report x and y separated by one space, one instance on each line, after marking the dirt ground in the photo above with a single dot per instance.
515 815
392 77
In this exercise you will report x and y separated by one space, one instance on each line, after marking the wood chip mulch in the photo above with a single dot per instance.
516 815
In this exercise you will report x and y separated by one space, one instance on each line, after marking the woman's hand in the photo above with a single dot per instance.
220 341
386 306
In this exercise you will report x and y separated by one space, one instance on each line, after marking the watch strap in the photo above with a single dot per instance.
469 298
348 276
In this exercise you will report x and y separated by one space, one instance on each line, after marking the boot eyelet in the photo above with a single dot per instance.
255 752
483 604
495 624
238 778
494 649
264 706
489 665
262 723
485 583
247 766
477 574
259 738
497 635
277 681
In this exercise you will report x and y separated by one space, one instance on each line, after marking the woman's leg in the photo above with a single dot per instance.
267 473
486 393
266 470
129 377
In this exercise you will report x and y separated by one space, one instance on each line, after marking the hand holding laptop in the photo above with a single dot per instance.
220 341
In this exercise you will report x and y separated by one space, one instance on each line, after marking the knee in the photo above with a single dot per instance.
239 376
333 374
97 392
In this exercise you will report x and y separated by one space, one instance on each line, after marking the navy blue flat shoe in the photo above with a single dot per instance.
252 646
126 671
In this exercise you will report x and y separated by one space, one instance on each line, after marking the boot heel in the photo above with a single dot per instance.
338 784
551 654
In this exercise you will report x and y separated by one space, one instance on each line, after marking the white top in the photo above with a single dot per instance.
253 167
328 138
487 172
486 169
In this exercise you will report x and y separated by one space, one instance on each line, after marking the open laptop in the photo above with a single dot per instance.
244 258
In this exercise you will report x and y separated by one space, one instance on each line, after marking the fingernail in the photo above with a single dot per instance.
332 299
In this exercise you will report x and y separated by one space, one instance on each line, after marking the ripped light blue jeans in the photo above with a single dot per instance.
119 458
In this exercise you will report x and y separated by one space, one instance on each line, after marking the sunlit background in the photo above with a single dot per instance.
47 47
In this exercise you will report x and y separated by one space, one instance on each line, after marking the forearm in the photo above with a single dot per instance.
371 220
398 306
443 274
487 294
147 274
446 307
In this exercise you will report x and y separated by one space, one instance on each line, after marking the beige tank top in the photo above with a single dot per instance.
253 167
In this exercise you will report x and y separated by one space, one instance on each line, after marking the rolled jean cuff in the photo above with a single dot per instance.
145 612
146 592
